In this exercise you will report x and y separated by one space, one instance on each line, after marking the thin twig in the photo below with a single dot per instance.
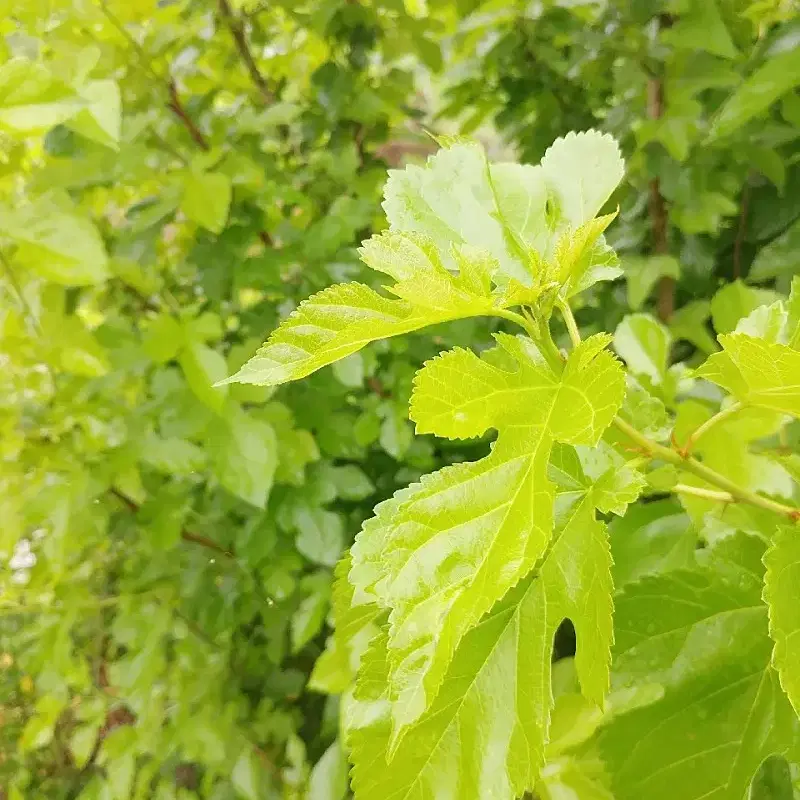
176 107
659 217
236 28
707 474
701 431
741 231
187 536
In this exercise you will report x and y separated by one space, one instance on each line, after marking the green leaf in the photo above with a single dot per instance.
428 553
756 372
245 456
582 171
333 324
702 634
101 118
32 100
643 272
207 199
355 626
204 368
245 776
173 456
645 412
734 301
644 343
782 594
780 74
328 779
60 245
309 617
320 535
780 257
702 28
773 781
163 338
651 538
485 732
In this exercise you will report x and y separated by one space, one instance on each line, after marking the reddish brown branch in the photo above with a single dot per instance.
741 231
659 217
187 536
176 107
236 28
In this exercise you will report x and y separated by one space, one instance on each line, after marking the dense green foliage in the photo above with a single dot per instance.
176 178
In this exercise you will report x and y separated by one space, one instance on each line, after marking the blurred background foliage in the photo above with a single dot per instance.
175 177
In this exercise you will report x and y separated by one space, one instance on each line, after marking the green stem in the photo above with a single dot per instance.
544 341
689 464
730 491
708 494
569 319
698 433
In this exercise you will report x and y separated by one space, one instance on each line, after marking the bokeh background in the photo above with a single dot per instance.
175 177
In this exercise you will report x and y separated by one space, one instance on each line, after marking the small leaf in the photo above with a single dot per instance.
245 456
245 775
321 535
328 779
582 171
780 257
204 368
644 343
207 199
61 246
101 118
734 301
776 77
643 272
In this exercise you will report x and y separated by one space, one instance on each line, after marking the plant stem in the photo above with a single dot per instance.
689 464
543 341
187 536
569 319
730 491
698 433
708 494
240 39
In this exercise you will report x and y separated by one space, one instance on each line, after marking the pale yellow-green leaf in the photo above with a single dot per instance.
430 551
756 372
485 733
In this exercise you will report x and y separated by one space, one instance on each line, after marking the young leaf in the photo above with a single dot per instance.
441 552
485 732
756 372
582 171
782 593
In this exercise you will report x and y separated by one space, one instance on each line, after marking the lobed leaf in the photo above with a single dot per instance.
485 733
440 553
